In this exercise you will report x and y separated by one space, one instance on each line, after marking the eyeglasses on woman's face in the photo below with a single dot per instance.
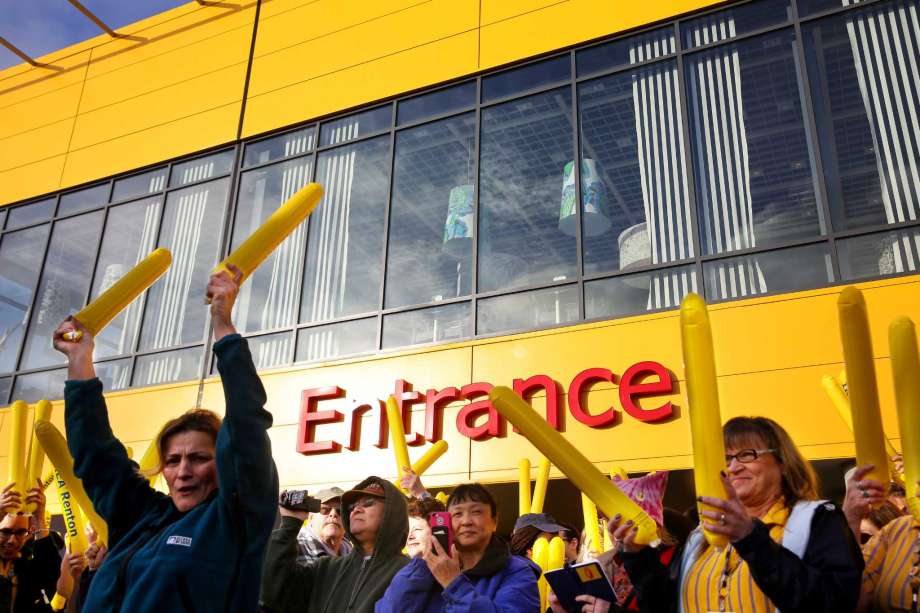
746 456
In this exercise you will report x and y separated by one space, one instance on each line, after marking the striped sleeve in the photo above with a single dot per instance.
874 553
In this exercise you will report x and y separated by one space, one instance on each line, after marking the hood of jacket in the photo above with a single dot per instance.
394 528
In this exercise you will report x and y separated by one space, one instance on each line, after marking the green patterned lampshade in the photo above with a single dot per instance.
460 223
593 194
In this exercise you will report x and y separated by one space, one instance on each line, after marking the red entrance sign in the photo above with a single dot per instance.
643 379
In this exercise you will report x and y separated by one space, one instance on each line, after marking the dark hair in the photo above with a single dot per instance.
885 513
193 420
523 539
569 532
472 492
423 507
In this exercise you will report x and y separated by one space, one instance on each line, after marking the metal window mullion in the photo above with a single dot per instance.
576 158
474 263
386 230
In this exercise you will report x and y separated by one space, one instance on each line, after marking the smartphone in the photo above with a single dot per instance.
441 529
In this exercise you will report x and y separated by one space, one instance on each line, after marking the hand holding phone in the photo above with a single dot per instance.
441 529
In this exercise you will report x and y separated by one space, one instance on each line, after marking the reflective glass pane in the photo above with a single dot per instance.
28 214
639 293
175 311
130 235
345 249
114 374
89 198
626 51
450 322
810 7
181 365
432 223
281 146
6 384
269 298
271 350
64 285
454 98
752 156
879 255
35 386
337 340
3 217
528 310
201 169
785 270
863 71
634 179
354 126
738 20
20 261
525 147
526 78
140 185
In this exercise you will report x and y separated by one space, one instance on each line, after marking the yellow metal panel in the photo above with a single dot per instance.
31 179
498 10
139 414
39 111
23 83
35 145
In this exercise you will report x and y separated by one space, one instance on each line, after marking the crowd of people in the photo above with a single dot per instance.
219 541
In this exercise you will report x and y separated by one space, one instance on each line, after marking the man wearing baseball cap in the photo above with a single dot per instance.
323 534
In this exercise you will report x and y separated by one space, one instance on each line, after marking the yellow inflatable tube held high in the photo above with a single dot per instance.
429 457
541 558
74 521
397 436
905 365
56 448
523 486
107 305
703 404
592 531
539 488
36 453
861 384
556 556
17 459
572 463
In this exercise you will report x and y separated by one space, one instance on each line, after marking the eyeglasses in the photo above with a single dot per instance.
746 455
365 502
864 537
8 533
327 509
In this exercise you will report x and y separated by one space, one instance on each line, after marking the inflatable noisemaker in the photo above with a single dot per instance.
524 487
17 459
572 463
540 557
55 447
442 497
618 474
905 366
97 314
539 488
861 384
273 231
429 457
74 520
556 555
36 453
592 531
703 405
398 436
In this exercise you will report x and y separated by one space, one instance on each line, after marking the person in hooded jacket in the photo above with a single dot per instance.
376 522
478 575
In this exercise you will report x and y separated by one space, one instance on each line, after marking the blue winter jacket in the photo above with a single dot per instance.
500 583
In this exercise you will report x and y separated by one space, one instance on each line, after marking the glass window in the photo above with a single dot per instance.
525 147
626 51
528 310
2 217
355 126
271 350
282 146
738 20
201 169
140 185
865 86
175 313
450 322
810 7
38 385
634 178
64 285
879 255
89 198
114 374
639 293
337 340
20 262
6 384
439 102
754 175
130 235
526 78
785 270
432 222
31 213
345 249
270 297
158 368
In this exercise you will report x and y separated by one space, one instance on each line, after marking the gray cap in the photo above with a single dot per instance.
543 521
329 493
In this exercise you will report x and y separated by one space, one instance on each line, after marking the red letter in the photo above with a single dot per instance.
630 389
309 419
434 407
525 387
468 414
578 385
358 409
404 397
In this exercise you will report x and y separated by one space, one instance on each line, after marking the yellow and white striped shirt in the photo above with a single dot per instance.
889 555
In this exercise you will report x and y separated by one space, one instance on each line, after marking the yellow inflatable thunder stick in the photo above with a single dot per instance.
149 463
539 488
592 531
56 448
398 436
703 404
74 521
861 384
36 453
905 365
429 457
107 305
442 497
523 486
17 459
540 557
572 463
273 231
556 556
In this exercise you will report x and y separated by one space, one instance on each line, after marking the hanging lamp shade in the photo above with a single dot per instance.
593 194
458 228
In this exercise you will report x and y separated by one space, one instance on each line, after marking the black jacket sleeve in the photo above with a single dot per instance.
286 585
656 585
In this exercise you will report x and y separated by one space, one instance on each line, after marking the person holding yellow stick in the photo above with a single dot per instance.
786 550
201 547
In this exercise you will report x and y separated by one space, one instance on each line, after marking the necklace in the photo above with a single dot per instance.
727 569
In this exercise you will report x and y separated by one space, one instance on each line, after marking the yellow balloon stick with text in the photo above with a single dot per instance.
703 404
592 531
429 457
273 231
539 488
397 436
36 453
905 366
572 463
541 558
74 521
523 486
98 313
556 556
861 384
17 458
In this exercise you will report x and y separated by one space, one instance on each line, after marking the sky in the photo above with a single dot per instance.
41 26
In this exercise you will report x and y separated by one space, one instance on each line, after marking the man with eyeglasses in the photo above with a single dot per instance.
323 534
376 521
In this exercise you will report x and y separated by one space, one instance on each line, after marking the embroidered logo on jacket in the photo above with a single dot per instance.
184 541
